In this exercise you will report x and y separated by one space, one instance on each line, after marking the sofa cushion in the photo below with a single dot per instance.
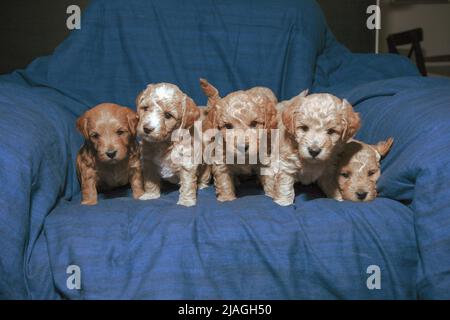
246 249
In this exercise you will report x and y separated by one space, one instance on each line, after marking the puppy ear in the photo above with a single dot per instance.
132 119
139 98
211 121
190 113
304 93
271 116
144 92
82 125
210 91
383 147
351 120
289 112
270 112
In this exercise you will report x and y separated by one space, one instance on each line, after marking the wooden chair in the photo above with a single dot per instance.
413 37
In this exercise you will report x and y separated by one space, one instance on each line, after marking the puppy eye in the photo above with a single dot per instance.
168 115
228 126
346 175
371 172
331 131
120 132
94 135
253 124
144 108
304 128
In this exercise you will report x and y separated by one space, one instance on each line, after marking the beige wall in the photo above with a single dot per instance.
433 18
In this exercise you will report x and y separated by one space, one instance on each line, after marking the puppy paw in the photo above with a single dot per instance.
202 186
89 202
269 194
226 198
337 197
149 196
186 202
283 202
137 195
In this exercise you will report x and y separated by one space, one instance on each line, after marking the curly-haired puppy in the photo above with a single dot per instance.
239 115
354 172
312 129
110 155
162 109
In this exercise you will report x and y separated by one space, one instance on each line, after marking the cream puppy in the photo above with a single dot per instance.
353 173
162 109
312 129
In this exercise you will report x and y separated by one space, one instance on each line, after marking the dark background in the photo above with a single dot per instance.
347 19
33 28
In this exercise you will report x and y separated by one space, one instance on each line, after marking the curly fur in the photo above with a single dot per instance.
162 109
238 111
312 129
110 155
354 172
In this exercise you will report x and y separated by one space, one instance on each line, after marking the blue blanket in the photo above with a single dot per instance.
249 248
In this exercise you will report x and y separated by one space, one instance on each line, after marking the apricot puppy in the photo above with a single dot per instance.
240 114
354 173
110 156
162 109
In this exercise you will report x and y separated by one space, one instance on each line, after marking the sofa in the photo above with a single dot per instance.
395 247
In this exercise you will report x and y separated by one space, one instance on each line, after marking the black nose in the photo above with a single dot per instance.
246 147
314 152
111 154
361 195
148 130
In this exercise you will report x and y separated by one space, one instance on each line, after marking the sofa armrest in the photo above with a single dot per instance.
37 146
415 112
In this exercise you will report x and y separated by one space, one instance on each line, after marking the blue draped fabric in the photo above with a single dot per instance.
249 248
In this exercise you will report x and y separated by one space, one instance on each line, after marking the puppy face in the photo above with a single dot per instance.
162 108
358 169
108 129
318 123
244 112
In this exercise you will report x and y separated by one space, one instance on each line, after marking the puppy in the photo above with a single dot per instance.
110 155
354 173
239 114
162 109
312 129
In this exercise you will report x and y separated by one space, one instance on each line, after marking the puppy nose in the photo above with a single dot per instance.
111 154
148 129
314 152
361 195
246 147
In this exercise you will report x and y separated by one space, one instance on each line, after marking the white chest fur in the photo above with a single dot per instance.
309 173
160 157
